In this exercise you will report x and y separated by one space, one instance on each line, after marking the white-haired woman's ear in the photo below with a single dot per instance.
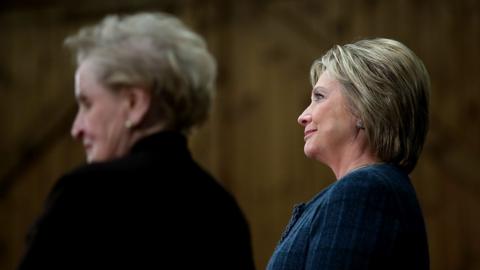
139 101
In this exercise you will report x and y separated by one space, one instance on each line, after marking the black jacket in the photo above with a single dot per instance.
155 208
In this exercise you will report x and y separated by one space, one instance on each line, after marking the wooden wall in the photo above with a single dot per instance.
252 142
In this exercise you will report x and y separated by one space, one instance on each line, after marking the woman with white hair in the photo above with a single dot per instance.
142 83
367 121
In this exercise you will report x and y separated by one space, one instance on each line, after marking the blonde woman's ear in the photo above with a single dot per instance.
360 125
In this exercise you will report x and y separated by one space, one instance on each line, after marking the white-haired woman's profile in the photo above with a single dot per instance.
142 83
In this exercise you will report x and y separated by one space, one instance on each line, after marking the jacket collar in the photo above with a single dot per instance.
164 141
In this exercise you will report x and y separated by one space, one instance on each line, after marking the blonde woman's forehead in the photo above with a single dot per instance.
327 80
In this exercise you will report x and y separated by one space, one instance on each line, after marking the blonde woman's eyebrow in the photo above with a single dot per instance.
320 88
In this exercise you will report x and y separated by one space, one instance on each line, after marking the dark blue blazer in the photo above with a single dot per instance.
153 209
368 220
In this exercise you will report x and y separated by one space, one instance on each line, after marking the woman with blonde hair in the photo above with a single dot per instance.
367 121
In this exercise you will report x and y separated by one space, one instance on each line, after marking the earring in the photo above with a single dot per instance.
360 124
128 124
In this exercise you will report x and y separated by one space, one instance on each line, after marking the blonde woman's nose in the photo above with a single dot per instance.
304 118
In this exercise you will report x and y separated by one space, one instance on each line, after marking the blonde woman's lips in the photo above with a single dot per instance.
308 132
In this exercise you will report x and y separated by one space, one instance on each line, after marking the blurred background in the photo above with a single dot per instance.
252 142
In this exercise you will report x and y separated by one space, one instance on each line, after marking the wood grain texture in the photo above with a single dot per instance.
252 142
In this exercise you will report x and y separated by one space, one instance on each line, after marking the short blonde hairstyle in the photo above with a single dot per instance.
388 87
158 52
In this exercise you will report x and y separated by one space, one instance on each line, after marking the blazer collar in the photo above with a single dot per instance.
164 141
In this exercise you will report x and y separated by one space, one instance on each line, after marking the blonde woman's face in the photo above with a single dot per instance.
329 126
100 121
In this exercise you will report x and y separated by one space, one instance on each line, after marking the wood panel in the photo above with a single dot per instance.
252 142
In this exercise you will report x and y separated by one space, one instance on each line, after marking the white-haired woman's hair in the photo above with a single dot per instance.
159 53
388 88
